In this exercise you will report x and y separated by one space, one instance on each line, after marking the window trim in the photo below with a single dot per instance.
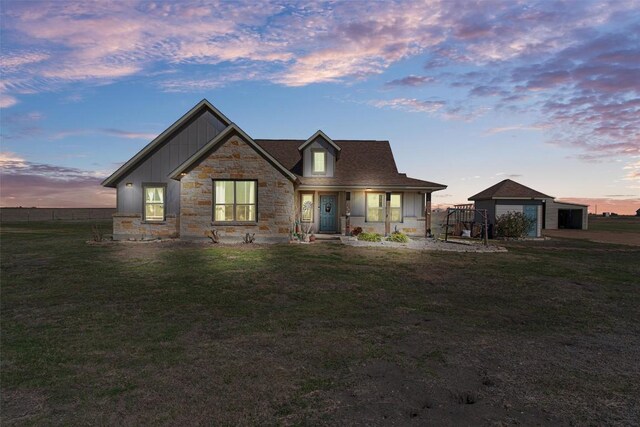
313 161
213 202
313 200
366 205
146 185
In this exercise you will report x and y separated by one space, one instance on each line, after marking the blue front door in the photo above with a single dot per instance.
531 211
328 210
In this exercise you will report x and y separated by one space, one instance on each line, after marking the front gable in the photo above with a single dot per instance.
231 133
234 158
319 155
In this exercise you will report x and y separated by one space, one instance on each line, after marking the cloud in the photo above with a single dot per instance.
7 101
119 133
410 104
574 66
26 183
411 81
496 130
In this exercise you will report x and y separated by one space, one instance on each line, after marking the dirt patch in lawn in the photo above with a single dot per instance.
620 238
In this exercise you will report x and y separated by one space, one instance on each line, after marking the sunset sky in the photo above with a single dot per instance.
468 93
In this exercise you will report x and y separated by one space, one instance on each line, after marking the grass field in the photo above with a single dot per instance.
621 224
175 333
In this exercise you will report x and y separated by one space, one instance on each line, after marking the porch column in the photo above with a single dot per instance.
427 215
387 216
347 213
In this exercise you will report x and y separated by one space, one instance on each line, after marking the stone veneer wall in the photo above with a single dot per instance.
131 226
235 159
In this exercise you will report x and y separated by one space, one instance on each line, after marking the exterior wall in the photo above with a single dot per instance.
318 143
131 226
155 168
235 159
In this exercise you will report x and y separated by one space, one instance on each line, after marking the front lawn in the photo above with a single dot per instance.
177 333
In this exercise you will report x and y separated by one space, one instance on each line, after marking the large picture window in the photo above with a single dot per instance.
319 165
375 207
306 207
235 201
154 202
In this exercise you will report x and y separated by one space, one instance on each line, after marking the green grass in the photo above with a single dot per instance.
622 224
295 334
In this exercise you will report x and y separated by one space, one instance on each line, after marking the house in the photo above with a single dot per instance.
547 213
204 172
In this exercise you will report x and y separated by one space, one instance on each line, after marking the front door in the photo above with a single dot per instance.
328 210
531 211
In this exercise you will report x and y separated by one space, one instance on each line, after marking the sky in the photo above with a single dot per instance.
468 93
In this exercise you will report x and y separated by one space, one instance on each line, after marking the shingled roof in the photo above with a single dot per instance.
509 189
364 163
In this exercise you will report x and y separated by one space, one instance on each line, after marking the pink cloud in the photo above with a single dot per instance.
27 183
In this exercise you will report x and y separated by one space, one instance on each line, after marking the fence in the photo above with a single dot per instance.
54 214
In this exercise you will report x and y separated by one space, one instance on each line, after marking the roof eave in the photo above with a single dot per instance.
177 172
314 136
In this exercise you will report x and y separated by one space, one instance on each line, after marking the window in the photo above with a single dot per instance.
375 207
319 165
306 207
235 201
396 208
154 196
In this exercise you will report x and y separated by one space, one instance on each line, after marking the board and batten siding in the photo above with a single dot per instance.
155 168
307 159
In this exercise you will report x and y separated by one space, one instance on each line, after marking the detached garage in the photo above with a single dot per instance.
510 196
565 215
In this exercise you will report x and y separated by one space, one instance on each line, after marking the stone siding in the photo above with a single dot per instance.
235 159
131 226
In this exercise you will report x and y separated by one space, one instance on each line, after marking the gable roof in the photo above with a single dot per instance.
362 163
509 189
314 136
226 133
157 142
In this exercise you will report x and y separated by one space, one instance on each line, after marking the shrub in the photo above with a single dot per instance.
513 224
370 237
356 231
398 237
96 234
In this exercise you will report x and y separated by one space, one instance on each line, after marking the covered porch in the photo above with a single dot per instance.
339 211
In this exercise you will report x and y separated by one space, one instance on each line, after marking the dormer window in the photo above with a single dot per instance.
319 162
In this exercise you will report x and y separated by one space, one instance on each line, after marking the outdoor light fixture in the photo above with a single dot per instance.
183 174
129 184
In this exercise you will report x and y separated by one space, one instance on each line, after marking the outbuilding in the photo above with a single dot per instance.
510 196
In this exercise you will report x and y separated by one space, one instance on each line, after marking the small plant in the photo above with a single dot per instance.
356 231
96 234
398 237
369 237
249 238
513 225
213 235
